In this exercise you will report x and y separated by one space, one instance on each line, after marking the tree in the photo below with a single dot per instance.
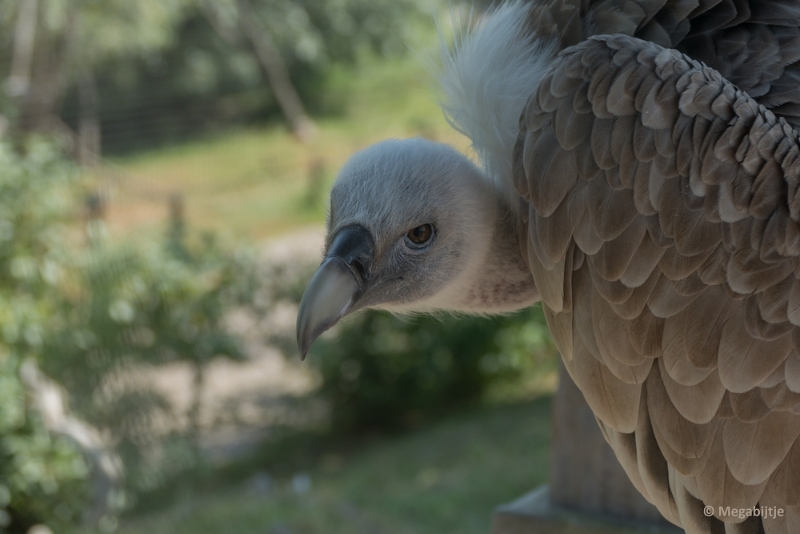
60 42
241 20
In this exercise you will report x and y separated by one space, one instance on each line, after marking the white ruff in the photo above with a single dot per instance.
487 76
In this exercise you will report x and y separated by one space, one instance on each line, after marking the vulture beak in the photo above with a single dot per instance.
336 287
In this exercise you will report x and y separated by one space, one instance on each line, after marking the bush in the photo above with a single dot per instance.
42 477
135 305
89 317
384 372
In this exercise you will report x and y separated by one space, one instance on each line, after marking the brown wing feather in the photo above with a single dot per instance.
754 44
683 321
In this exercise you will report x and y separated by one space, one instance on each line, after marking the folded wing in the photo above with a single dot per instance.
663 221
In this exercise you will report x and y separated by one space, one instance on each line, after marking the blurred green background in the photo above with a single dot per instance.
164 168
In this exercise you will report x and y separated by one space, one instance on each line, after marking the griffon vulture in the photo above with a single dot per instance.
640 175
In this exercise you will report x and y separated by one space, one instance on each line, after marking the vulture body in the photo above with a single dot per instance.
641 168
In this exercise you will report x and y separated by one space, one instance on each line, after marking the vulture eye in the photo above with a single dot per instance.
420 235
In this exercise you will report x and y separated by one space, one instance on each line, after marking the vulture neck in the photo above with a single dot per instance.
496 279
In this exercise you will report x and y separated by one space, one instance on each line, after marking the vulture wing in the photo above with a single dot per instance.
663 220
754 44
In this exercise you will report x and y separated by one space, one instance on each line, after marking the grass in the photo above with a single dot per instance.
259 182
443 478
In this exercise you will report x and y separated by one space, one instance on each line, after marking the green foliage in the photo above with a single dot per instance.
42 477
102 29
145 304
34 195
91 317
384 372
185 76
318 33
109 29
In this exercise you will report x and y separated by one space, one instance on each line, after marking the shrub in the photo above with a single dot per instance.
144 304
384 372
89 317
42 477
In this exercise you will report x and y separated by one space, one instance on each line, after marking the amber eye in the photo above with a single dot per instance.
420 235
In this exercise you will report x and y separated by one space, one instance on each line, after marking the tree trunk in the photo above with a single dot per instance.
48 77
196 406
19 81
584 472
89 135
275 70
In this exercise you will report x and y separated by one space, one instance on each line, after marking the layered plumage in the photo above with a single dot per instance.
657 173
642 178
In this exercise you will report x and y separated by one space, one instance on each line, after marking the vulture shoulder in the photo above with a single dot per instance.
663 232
754 44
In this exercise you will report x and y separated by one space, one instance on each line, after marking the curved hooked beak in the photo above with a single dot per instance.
337 286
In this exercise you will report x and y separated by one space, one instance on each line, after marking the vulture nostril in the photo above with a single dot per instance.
359 267
355 247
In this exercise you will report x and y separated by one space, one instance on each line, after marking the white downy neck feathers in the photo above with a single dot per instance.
487 76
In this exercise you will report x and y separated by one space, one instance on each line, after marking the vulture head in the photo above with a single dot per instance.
415 226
